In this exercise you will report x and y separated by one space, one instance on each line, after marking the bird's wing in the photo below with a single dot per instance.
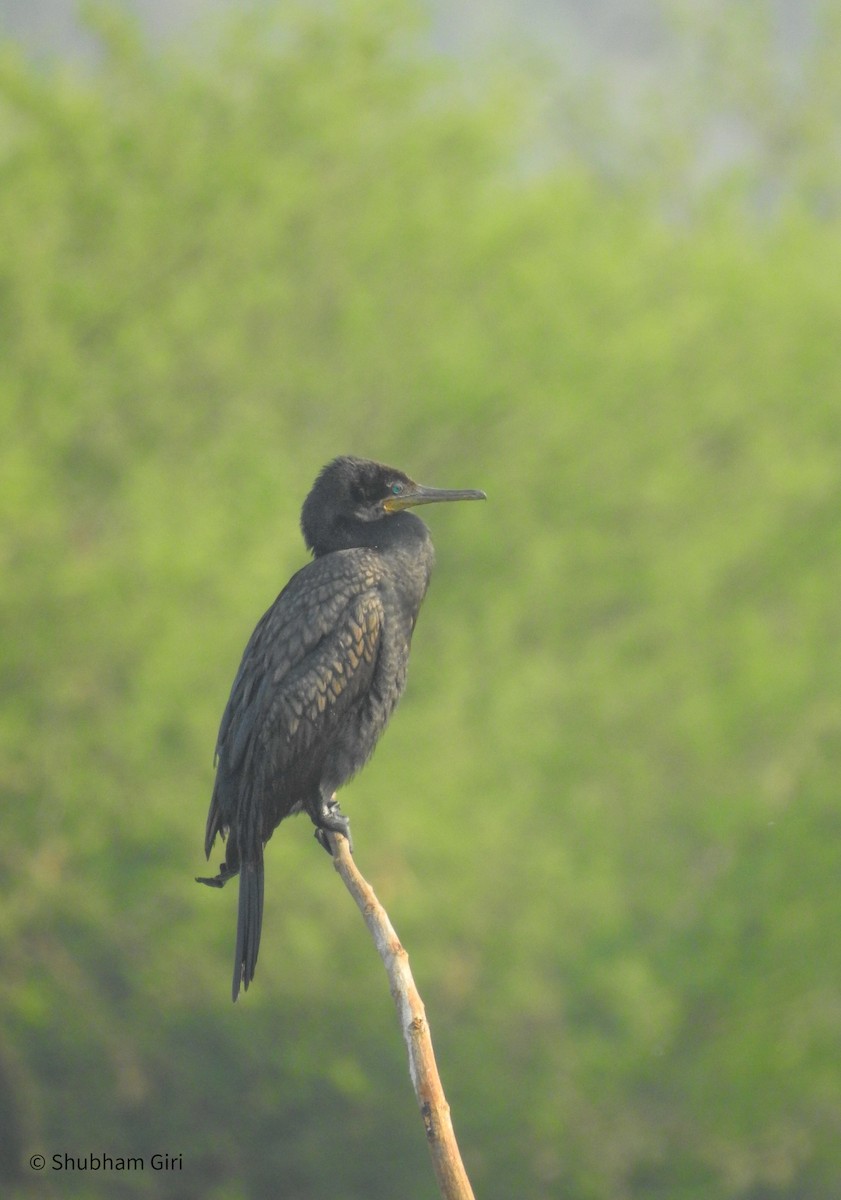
311 655
307 698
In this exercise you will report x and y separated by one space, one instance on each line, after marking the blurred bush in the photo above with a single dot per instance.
605 819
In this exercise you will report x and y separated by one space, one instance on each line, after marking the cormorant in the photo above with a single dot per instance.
321 673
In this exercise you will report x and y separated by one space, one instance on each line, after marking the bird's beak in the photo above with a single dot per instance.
418 494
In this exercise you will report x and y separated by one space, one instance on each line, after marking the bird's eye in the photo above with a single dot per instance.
396 489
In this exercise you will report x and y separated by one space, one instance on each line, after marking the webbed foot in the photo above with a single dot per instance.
218 881
331 819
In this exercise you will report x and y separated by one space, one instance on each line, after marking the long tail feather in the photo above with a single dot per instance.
249 924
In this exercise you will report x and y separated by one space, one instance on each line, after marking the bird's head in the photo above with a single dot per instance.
351 494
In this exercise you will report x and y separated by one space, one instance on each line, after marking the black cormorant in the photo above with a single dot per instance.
321 673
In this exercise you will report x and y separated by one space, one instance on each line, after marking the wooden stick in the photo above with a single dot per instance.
435 1111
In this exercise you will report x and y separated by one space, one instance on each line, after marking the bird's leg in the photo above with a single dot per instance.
330 817
225 873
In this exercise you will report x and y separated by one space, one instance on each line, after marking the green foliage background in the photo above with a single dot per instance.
605 820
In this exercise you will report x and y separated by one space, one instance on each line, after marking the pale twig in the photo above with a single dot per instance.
435 1111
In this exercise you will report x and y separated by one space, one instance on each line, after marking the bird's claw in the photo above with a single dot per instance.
331 819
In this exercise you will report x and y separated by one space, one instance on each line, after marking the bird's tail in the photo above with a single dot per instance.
249 923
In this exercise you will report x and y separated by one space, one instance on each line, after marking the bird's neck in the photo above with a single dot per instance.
401 533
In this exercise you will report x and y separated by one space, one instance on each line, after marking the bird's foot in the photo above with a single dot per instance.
321 837
331 819
218 881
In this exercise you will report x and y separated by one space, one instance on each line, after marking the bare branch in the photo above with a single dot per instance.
435 1111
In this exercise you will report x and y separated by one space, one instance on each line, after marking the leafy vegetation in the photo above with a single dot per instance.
605 819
